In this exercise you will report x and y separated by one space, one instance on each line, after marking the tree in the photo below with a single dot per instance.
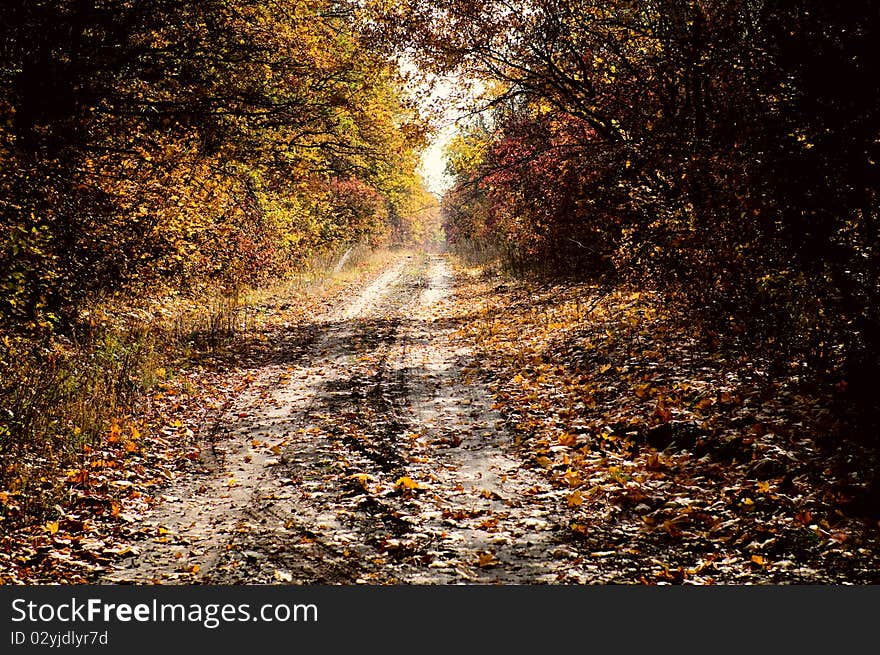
154 146
723 152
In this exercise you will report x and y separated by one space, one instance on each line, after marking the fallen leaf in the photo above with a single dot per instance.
363 478
486 560
405 482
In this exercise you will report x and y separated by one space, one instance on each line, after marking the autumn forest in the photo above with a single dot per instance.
629 334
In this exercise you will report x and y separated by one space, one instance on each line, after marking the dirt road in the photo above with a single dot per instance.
367 455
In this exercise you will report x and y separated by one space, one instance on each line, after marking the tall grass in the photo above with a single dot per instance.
58 395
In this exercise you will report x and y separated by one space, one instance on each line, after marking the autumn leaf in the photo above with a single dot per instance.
489 524
487 559
579 528
405 482
572 477
363 478
642 390
654 462
663 413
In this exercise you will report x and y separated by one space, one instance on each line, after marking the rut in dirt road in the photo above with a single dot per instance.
370 456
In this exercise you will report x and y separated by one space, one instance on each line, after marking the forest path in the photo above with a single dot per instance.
370 455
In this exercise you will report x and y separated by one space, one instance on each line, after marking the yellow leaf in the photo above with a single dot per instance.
405 482
544 462
566 439
51 527
232 482
575 499
487 559
115 432
757 559
605 368
135 433
764 487
572 477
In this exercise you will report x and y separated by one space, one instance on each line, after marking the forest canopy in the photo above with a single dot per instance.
152 146
725 152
